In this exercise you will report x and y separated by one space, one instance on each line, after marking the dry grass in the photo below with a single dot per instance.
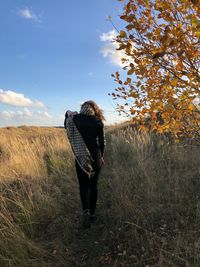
149 199
35 163
24 151
155 200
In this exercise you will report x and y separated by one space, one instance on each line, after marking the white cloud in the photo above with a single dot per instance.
113 117
109 36
16 99
109 49
42 118
43 114
6 115
27 13
25 116
38 104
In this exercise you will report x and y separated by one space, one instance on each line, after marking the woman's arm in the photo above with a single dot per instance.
66 117
102 140
69 114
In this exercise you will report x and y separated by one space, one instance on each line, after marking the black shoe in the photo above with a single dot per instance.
93 218
86 223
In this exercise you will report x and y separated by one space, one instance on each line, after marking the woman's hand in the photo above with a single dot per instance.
71 114
102 160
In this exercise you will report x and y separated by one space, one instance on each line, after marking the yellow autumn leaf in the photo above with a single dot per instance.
123 34
130 71
143 128
174 82
164 53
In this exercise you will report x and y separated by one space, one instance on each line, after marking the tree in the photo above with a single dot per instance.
161 41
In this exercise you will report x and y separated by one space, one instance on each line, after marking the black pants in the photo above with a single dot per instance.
88 186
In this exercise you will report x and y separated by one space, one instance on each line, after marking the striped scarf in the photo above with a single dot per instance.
79 148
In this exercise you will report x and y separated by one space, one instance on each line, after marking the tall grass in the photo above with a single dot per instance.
155 198
149 197
35 164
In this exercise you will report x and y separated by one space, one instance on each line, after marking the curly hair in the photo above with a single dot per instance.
98 111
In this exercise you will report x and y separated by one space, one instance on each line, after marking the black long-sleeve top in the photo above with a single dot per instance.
92 131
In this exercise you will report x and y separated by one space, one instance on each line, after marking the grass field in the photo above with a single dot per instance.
148 209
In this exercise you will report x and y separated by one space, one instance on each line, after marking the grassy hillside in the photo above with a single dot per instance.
36 173
148 209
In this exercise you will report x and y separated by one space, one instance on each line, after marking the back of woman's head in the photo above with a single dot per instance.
98 112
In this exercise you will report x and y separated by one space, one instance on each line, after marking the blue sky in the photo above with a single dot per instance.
54 55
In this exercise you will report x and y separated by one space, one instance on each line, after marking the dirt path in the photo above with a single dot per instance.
71 245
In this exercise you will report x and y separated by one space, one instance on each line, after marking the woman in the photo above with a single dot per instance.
89 123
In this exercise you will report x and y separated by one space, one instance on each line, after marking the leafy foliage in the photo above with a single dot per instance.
161 41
